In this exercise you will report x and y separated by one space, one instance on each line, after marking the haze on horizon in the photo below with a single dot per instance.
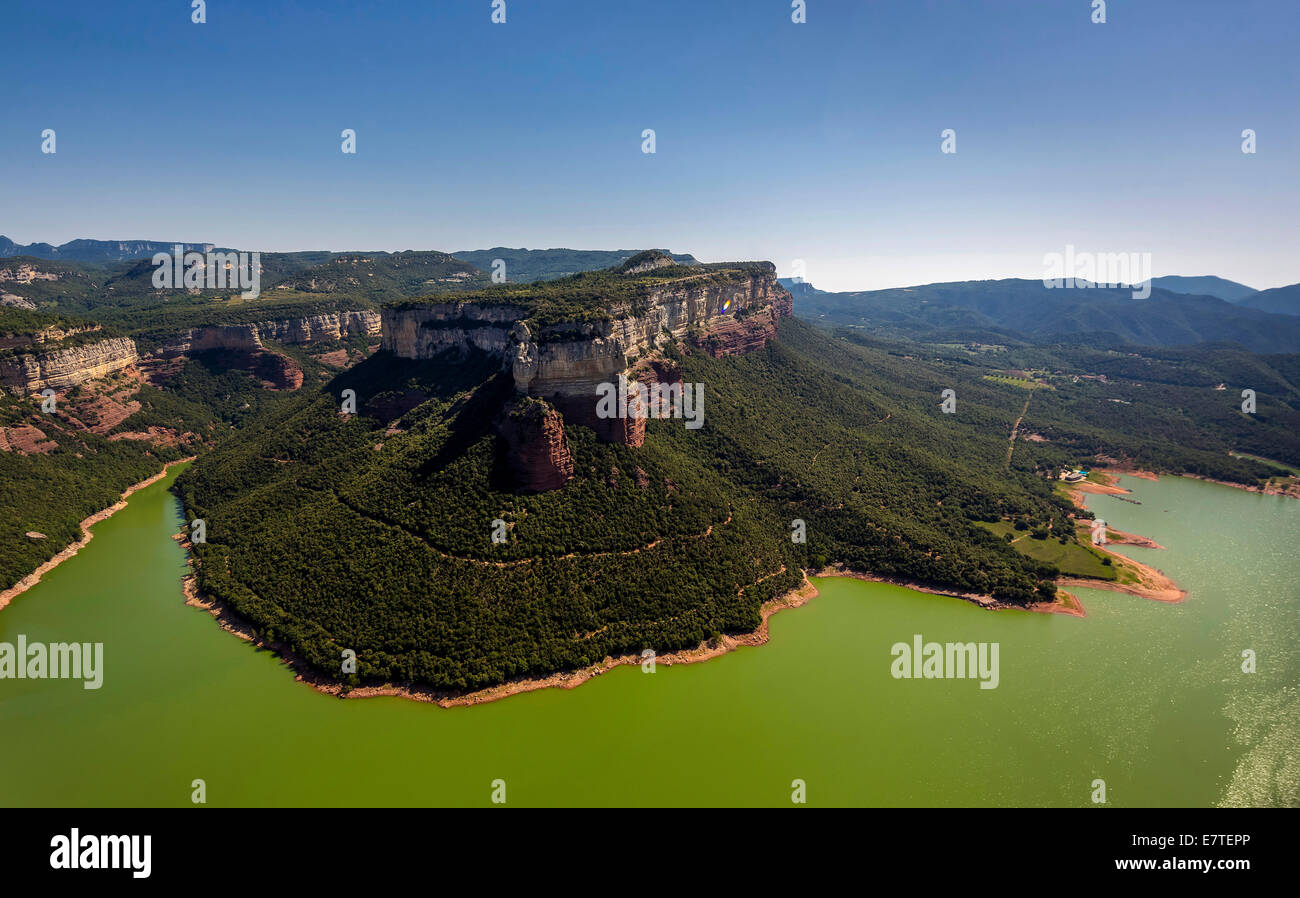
818 142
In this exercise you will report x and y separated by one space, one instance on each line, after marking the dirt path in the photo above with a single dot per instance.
704 534
1011 447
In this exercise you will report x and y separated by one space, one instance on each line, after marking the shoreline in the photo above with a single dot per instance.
1291 490
232 623
87 534
1153 583
1068 604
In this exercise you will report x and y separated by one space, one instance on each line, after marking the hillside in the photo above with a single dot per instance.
384 275
1279 300
592 295
96 251
387 550
1207 285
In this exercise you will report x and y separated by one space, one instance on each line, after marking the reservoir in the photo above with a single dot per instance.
1149 697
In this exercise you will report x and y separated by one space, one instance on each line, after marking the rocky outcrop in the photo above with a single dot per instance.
570 360
59 369
276 371
647 261
25 439
738 335
322 328
58 334
14 301
293 331
25 274
537 451
565 363
426 331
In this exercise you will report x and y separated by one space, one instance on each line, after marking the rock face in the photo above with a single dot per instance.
424 332
14 301
537 451
571 359
277 372
60 369
25 274
293 331
566 363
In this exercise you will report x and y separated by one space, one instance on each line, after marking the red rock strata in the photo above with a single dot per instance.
537 450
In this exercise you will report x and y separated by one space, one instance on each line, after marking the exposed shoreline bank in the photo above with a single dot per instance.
1153 583
232 623
1069 604
85 526
1291 490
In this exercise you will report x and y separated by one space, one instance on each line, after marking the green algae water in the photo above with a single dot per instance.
1148 697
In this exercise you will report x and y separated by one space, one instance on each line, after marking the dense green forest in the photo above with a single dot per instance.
51 494
1173 410
121 295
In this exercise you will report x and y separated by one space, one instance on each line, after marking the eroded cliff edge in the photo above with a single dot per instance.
58 360
561 340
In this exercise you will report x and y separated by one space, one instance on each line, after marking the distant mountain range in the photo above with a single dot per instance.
1207 285
96 250
522 265
992 311
799 287
1279 300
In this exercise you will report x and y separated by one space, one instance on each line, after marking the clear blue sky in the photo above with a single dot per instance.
818 142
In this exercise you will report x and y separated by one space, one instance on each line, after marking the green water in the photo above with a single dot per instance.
1147 696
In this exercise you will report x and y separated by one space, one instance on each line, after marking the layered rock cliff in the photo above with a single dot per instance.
59 369
721 311
537 451
293 331
426 331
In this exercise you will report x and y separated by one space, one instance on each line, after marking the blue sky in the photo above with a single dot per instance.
775 140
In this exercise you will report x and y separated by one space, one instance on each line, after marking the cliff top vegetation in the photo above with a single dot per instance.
590 295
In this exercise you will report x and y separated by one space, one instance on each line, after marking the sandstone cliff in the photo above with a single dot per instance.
60 369
537 451
565 362
293 331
